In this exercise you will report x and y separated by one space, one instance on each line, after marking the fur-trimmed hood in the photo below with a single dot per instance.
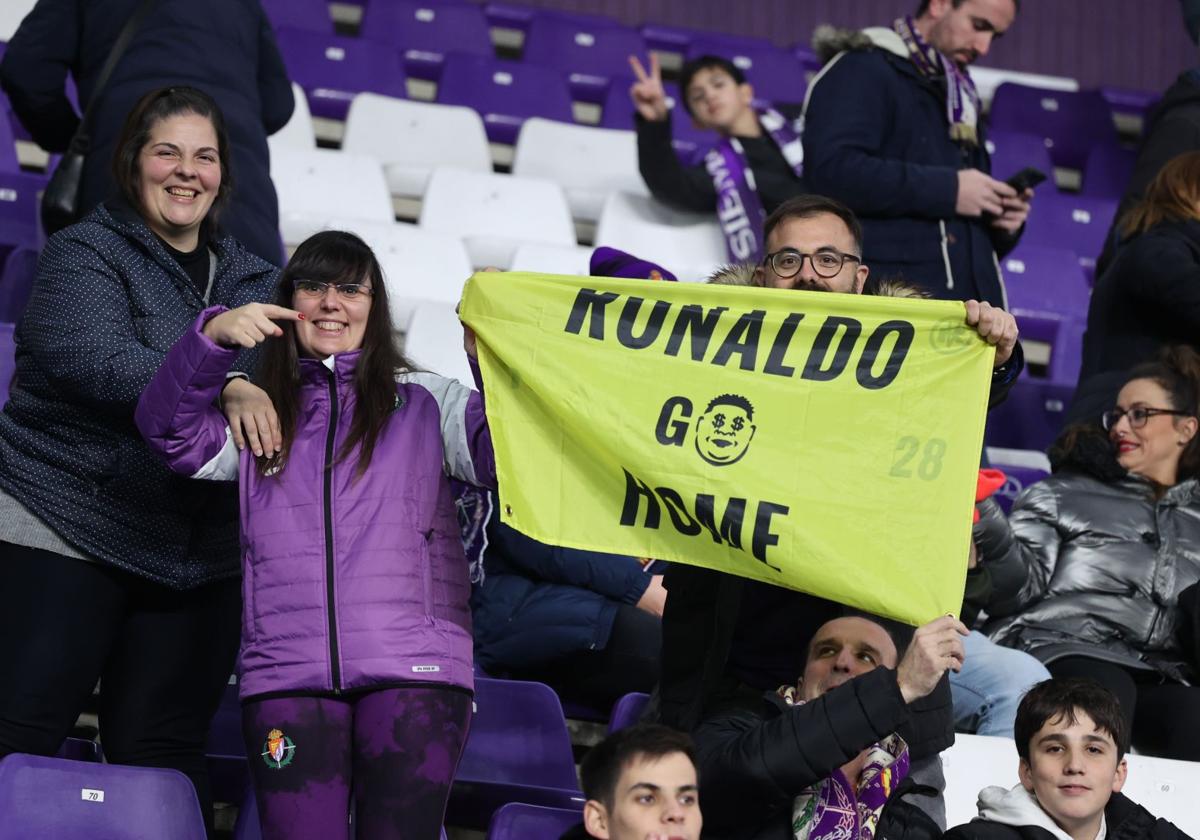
828 41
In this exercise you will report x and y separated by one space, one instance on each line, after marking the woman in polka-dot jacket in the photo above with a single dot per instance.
111 566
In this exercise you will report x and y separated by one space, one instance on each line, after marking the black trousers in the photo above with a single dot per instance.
629 662
162 658
1164 717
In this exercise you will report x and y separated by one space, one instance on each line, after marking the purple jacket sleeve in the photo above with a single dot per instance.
176 414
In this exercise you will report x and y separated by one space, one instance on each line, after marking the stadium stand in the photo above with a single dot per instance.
504 93
73 800
688 244
516 821
519 750
517 777
426 32
410 139
434 341
553 150
496 213
319 184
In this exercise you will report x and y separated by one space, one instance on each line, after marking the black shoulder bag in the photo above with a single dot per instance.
60 201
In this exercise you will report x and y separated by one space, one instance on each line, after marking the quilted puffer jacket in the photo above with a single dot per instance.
1105 562
349 581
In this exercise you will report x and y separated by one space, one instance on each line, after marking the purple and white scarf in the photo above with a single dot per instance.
739 209
963 104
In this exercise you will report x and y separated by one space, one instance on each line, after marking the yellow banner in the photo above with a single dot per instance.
824 442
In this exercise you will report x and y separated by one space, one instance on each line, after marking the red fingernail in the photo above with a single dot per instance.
301 314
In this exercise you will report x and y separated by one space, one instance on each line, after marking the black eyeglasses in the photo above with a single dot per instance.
787 262
317 289
1137 416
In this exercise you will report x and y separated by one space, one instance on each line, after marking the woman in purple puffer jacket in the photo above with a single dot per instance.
356 671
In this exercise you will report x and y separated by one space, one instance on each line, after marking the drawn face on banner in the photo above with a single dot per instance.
725 429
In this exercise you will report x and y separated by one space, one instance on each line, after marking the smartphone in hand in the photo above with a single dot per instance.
1027 178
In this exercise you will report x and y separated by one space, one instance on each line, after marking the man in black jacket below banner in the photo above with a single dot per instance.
893 129
224 47
819 759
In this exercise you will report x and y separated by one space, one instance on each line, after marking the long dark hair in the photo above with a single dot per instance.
334 256
155 106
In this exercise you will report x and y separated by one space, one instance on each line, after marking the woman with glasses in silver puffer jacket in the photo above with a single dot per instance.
1106 545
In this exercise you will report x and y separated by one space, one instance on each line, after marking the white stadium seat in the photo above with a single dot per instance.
689 245
298 133
494 214
12 12
317 185
588 163
411 138
418 265
553 259
434 342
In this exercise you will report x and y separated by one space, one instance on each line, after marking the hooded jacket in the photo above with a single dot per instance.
107 304
350 581
1104 563
877 139
1016 815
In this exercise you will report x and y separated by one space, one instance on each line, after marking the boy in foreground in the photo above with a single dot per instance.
1071 739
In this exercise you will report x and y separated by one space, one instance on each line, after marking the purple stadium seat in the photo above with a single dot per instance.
333 68
807 58
516 821
8 362
74 749
1081 223
775 73
426 31
1046 280
1072 122
1107 171
309 15
1031 417
518 750
1012 151
16 282
74 800
591 55
504 93
1130 102
19 225
627 711
1021 469
8 142
690 142
225 752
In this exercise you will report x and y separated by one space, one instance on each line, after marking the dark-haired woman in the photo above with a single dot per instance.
356 670
113 569
1150 296
1108 543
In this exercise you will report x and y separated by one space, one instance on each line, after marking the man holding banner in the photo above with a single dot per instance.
804 443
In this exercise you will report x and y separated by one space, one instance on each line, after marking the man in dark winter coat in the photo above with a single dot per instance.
224 47
808 757
893 130
1072 739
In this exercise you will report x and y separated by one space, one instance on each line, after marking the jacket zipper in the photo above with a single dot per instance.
335 666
